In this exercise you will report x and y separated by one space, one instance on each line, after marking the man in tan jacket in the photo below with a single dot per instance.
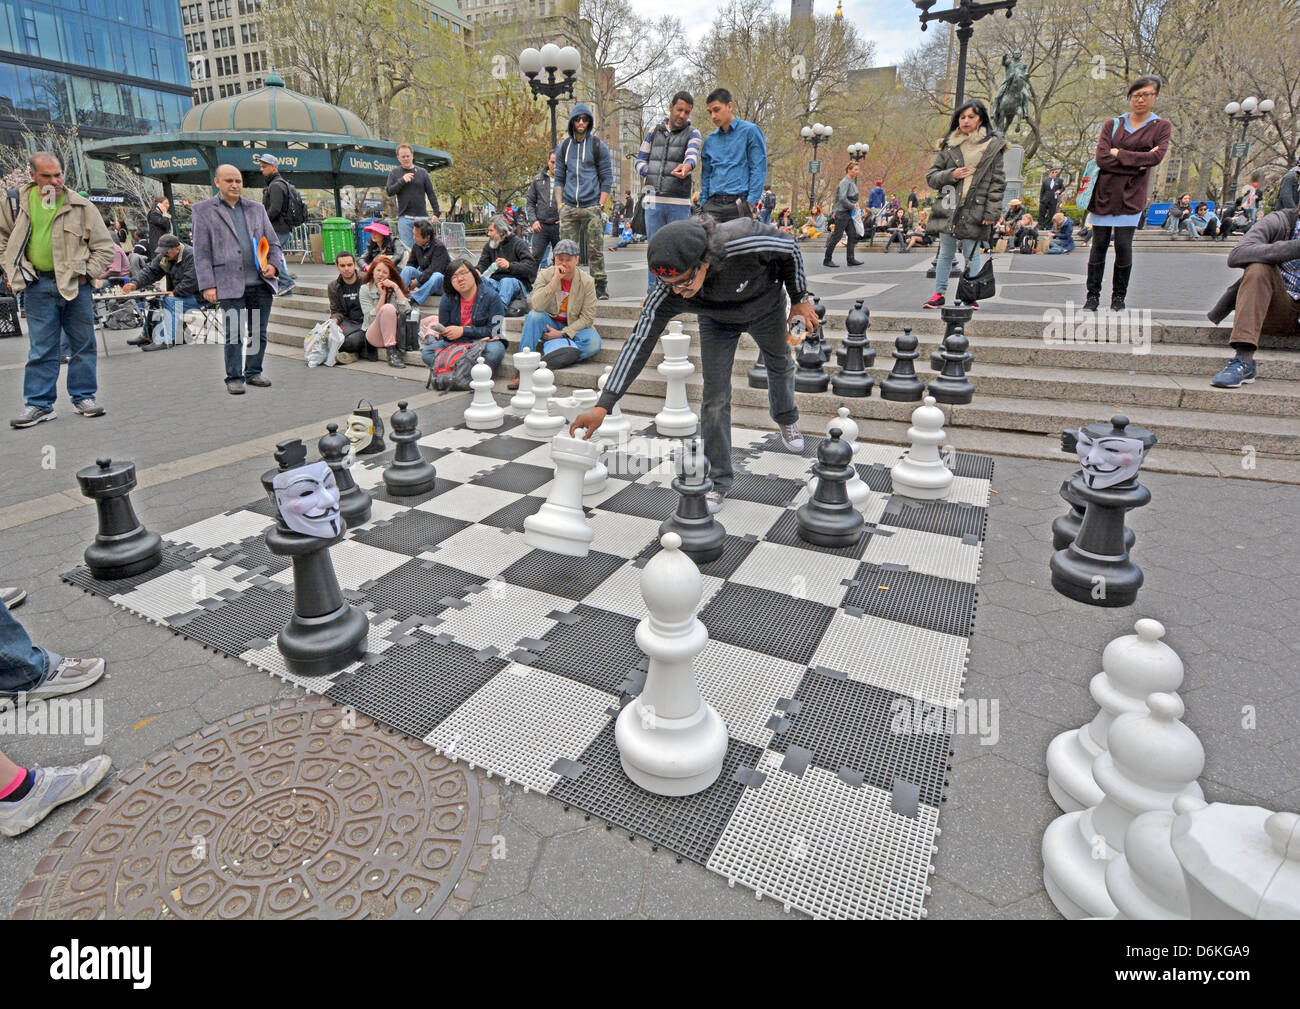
55 246
564 309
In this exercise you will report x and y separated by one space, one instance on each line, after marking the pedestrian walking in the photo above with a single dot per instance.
584 178
733 159
277 195
543 212
668 156
846 202
412 186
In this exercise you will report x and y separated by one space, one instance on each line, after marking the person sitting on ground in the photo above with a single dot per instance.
1203 223
470 310
174 263
426 262
345 307
515 266
815 226
563 311
1265 301
1177 214
384 305
625 238
1062 235
783 221
1025 239
382 243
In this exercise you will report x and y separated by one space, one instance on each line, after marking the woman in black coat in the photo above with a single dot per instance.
160 222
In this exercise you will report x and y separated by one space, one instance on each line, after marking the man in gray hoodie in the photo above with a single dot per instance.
583 180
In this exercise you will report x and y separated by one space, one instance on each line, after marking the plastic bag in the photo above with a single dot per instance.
858 224
321 345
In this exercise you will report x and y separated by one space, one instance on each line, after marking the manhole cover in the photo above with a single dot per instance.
294 810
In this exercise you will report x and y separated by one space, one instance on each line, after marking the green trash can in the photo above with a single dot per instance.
336 236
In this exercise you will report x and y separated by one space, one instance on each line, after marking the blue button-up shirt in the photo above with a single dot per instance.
734 162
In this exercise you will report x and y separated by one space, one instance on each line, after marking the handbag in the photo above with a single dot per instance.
408 332
368 412
979 287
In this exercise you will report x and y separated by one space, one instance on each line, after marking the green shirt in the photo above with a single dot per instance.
40 251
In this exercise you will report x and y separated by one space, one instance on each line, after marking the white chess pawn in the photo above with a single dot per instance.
1240 862
526 362
1146 882
483 413
676 419
1132 666
670 740
858 491
616 426
540 422
1152 758
560 525
921 473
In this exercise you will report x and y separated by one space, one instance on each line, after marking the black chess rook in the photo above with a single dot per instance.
354 503
123 546
702 535
852 380
829 519
902 385
409 473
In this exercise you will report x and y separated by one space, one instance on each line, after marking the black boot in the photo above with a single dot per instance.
1095 272
1119 287
601 293
395 359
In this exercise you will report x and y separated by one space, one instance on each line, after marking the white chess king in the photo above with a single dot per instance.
670 739
676 419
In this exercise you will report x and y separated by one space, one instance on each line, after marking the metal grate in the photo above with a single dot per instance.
599 650
763 621
911 597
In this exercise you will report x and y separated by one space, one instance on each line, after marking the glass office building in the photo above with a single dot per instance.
107 67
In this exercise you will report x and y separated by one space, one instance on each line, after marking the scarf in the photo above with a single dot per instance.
972 145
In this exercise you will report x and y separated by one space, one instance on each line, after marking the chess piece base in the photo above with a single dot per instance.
355 507
316 646
1073 878
807 380
559 531
671 756
922 481
1097 581
110 559
758 377
900 391
703 539
1069 770
852 386
420 480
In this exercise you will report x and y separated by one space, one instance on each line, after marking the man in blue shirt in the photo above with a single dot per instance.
734 159
876 198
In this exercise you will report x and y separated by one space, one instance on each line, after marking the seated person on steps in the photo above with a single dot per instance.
381 243
1203 223
1062 235
1175 220
1266 300
815 226
918 236
470 310
384 306
515 266
345 307
426 262
564 309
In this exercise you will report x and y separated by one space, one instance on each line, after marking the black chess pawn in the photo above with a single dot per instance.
325 634
702 535
955 319
123 546
829 519
901 385
952 385
852 380
409 473
758 374
354 503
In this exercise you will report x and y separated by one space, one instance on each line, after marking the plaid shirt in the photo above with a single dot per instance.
1291 269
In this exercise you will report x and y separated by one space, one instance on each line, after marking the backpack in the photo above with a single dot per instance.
449 371
294 211
1089 180
769 201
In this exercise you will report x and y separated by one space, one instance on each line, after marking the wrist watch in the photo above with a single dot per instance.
805 298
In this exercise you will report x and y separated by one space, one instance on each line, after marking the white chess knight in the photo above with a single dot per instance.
676 419
560 525
1240 862
541 423
1132 666
616 426
483 412
921 473
670 739
570 408
1152 759
858 491
526 362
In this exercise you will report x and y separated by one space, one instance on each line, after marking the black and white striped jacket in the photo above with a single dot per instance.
744 286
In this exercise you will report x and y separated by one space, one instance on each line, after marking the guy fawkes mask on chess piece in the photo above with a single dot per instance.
308 499
360 432
1108 461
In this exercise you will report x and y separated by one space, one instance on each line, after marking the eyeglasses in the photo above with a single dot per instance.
684 283
1145 95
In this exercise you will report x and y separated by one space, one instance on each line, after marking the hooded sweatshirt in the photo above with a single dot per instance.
582 168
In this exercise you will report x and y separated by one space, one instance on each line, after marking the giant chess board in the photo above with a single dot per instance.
518 661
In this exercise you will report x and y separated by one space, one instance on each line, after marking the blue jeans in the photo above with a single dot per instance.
240 315
1056 249
173 318
656 216
765 216
284 244
970 250
406 231
494 352
431 286
49 317
508 287
23 665
535 323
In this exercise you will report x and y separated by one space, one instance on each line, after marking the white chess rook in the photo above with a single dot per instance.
670 740
921 473
540 422
1132 666
616 426
483 413
1152 759
526 362
1240 862
857 489
571 408
676 419
560 525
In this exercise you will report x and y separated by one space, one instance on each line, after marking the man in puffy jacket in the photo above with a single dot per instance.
583 179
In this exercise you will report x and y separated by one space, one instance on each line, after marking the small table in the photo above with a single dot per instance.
105 298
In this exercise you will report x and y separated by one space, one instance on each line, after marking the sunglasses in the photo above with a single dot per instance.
684 282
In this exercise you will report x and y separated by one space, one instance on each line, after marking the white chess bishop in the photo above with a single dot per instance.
483 412
676 419
921 473
670 740
560 525
857 489
1132 666
541 423
526 362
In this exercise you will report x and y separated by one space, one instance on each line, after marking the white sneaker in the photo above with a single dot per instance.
12 597
53 787
343 357
791 437
714 500
70 676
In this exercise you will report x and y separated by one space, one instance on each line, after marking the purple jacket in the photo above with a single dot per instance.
218 261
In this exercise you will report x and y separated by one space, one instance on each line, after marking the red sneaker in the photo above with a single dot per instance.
935 302
972 304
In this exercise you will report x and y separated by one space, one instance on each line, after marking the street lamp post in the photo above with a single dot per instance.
1245 112
963 14
858 151
816 134
551 59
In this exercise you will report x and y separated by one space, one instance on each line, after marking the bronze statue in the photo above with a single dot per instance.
1012 101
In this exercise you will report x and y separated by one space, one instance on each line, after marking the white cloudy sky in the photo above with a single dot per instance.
892 24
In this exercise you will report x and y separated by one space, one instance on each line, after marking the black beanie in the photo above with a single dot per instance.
677 248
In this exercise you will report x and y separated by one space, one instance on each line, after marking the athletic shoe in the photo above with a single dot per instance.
1117 304
235 386
343 357
31 416
12 597
1236 372
973 304
155 346
258 381
601 293
791 437
1091 305
936 301
394 358
52 788
714 500
68 677
88 407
